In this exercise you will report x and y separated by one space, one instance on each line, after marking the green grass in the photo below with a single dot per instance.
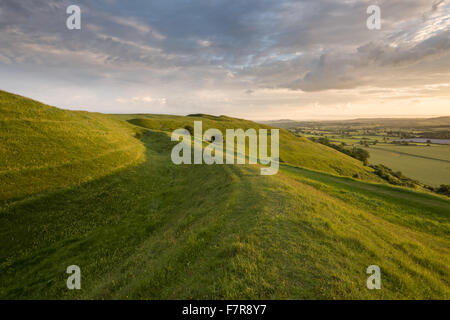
298 151
43 148
154 230
432 152
352 140
158 231
430 165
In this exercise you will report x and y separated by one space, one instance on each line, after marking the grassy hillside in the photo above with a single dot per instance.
156 230
294 150
43 147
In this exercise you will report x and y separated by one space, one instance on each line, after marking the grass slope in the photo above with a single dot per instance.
42 147
155 230
158 231
298 151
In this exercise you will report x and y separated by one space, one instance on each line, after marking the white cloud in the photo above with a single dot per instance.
204 43
142 100
141 27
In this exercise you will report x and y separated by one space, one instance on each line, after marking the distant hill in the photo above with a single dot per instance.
368 122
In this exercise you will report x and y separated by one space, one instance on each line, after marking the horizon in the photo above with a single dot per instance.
328 118
381 117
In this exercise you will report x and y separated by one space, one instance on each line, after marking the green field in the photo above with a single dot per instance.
427 163
430 165
152 230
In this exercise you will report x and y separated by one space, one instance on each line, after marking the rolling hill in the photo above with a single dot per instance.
43 147
367 122
149 229
298 151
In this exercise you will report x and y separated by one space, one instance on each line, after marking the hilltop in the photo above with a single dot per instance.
149 229
43 147
297 151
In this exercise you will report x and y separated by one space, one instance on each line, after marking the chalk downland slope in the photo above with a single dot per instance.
297 151
156 230
43 147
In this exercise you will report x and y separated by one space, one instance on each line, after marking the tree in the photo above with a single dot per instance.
444 189
361 154
138 135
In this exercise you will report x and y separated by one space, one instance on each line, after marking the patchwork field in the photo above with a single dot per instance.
388 142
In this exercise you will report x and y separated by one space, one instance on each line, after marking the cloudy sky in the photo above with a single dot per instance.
255 59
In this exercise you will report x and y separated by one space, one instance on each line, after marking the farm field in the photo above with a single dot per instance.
427 162
435 152
430 165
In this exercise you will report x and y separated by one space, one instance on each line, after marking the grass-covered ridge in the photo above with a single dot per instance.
156 230
43 147
298 151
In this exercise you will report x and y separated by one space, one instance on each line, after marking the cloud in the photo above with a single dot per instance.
142 100
204 54
138 26
204 43
368 64
436 5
